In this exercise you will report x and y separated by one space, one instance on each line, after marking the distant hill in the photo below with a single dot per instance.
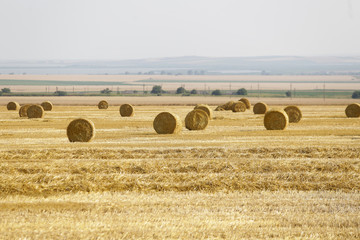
272 65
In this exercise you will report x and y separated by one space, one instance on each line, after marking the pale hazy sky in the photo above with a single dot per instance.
129 29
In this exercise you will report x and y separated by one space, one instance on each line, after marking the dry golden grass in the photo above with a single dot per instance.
193 215
232 180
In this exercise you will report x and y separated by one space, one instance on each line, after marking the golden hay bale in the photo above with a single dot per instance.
246 101
47 106
205 108
35 111
228 106
126 110
80 130
260 108
23 110
13 106
219 108
197 119
167 123
276 120
353 110
239 107
294 114
103 104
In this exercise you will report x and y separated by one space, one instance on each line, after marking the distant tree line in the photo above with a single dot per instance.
356 94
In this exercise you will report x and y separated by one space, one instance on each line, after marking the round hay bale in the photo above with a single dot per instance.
23 110
167 123
219 108
260 108
239 107
13 106
276 120
294 114
228 106
80 130
47 106
246 101
103 104
206 109
35 111
126 110
197 119
353 110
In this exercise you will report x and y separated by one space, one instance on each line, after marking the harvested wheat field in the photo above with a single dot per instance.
232 180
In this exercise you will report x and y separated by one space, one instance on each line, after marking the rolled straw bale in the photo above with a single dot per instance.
167 123
246 101
126 110
206 109
103 104
23 110
197 119
13 106
47 106
228 106
294 114
219 108
276 120
260 108
80 130
35 111
239 107
353 110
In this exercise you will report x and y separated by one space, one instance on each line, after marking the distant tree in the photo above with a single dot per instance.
60 93
194 91
106 91
190 72
157 89
356 94
241 91
180 90
6 90
216 92
288 93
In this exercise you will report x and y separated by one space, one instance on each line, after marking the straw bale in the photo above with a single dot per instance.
220 108
260 108
35 111
23 110
294 114
103 104
228 106
239 107
206 109
80 130
276 120
197 119
353 110
47 106
246 101
167 123
126 110
13 106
